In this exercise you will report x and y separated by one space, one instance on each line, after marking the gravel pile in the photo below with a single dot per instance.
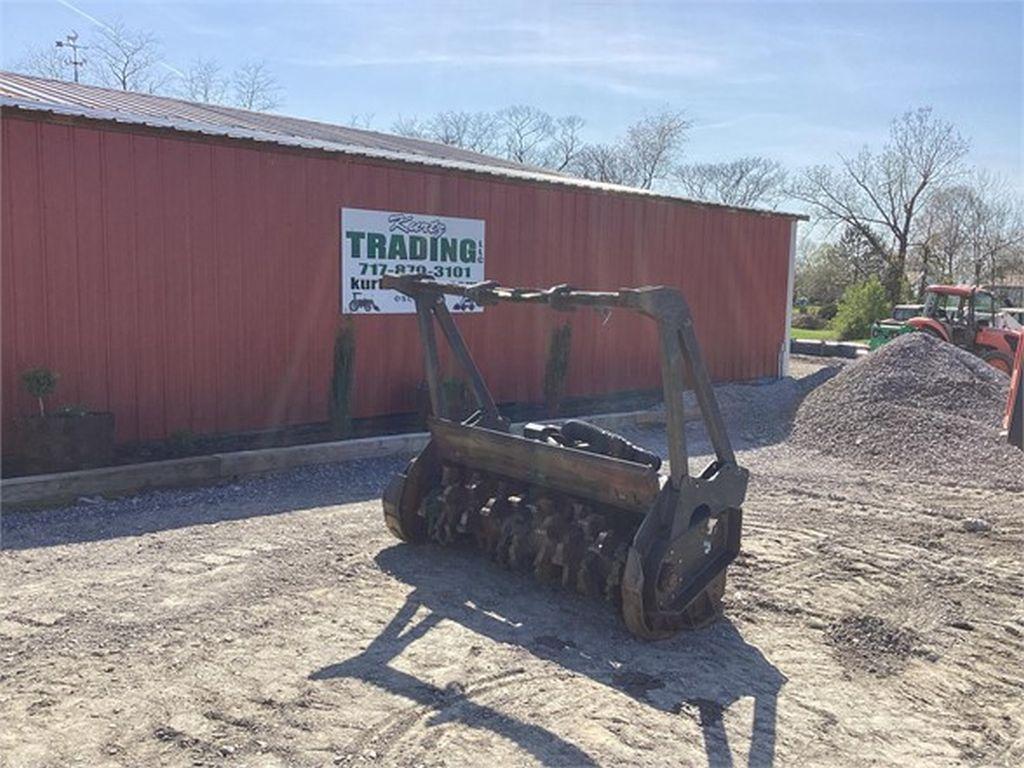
755 413
871 644
919 406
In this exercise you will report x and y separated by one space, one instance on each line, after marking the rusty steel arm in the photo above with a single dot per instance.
679 351
490 293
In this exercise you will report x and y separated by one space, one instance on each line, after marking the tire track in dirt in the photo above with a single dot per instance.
915 565
296 592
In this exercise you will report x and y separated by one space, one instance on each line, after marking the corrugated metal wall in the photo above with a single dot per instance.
189 283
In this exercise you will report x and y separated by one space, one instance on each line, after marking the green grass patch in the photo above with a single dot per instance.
825 334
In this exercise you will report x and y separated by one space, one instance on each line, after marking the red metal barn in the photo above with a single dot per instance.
178 264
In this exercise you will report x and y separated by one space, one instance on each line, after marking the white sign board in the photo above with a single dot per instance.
376 243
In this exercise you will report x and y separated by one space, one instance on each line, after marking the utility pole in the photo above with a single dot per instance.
71 41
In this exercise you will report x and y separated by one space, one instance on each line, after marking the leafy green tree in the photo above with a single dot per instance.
40 382
861 305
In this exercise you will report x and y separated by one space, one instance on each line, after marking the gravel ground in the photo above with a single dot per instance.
871 620
919 406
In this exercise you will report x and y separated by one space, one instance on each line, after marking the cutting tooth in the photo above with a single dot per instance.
561 539
588 575
488 530
510 547
544 567
569 554
613 585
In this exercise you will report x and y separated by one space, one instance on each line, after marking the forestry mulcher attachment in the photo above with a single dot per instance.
577 504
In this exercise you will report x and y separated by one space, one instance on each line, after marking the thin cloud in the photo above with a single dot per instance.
642 62
85 15
564 46
106 27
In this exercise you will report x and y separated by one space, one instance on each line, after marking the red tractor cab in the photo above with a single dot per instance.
971 318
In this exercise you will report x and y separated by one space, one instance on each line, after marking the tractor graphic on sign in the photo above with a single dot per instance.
464 304
362 305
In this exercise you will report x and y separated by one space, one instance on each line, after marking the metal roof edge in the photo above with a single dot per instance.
265 137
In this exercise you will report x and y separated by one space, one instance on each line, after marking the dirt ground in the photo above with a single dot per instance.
871 620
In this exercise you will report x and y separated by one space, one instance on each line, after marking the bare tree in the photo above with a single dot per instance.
996 231
971 232
603 162
982 229
255 87
363 121
748 181
476 131
644 156
882 195
529 135
412 127
526 131
129 59
566 143
652 146
205 82
941 236
45 61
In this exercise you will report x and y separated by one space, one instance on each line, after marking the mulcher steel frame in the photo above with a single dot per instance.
687 527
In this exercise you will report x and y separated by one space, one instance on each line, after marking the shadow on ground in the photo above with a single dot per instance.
756 416
699 674
153 511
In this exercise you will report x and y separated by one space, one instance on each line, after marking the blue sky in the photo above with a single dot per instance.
795 81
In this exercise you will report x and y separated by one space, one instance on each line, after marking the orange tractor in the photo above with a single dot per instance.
969 317
964 315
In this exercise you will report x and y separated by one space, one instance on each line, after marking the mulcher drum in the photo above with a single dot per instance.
575 504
